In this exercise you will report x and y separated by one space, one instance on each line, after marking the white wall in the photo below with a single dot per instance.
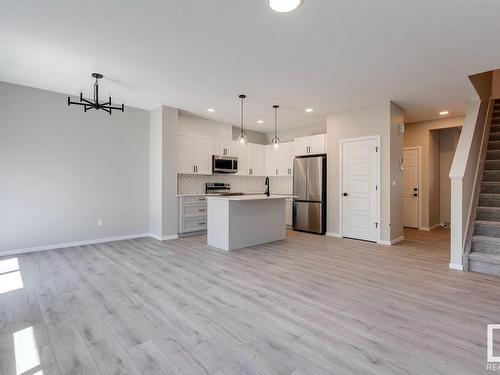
396 180
62 169
364 122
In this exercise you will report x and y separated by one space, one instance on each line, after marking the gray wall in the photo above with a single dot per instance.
448 141
62 169
287 135
360 122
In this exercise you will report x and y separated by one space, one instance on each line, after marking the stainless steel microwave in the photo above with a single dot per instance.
224 164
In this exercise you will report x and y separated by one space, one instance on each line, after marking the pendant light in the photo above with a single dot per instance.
242 135
96 104
275 140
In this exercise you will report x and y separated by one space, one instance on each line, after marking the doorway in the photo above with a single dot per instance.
360 192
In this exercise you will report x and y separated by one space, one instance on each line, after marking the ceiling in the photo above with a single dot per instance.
330 55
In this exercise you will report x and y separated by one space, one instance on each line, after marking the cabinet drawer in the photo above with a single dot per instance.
194 200
191 225
199 210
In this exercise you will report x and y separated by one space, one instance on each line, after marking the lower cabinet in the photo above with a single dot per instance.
192 214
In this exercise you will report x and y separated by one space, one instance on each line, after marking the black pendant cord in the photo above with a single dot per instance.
276 139
242 129
87 104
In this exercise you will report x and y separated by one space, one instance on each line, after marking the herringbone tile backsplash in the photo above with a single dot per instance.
195 184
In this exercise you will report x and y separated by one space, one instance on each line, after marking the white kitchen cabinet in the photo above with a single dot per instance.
241 152
315 144
255 160
192 214
194 155
279 161
224 147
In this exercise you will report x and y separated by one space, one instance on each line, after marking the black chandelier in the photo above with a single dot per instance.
87 104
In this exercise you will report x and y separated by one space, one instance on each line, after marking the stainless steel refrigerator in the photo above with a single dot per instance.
309 187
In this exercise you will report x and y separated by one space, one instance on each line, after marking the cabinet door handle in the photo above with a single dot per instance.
276 172
194 168
201 199
250 171
201 223
201 210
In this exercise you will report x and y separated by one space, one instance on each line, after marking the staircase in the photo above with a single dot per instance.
485 245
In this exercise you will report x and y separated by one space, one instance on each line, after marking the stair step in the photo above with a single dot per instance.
495 128
489 200
494 145
486 244
492 154
484 263
495 136
491 175
492 165
490 187
487 228
488 213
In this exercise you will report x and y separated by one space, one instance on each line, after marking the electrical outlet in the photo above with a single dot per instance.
100 222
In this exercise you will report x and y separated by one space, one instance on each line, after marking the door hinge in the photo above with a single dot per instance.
376 148
376 225
376 187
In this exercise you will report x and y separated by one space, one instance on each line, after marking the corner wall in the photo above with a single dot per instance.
62 169
379 120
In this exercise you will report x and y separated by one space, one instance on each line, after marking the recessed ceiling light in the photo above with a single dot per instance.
309 110
260 121
443 113
284 6
211 110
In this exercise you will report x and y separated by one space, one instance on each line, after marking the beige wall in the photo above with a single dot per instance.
365 122
396 118
421 134
448 140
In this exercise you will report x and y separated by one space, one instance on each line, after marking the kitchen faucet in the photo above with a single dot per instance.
267 186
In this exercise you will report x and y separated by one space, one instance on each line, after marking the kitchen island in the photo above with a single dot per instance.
235 222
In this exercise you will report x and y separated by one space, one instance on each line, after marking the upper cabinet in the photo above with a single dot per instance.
315 144
194 155
224 147
255 160
279 161
241 152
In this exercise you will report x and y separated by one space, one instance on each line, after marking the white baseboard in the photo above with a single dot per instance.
457 267
72 244
391 242
163 238
331 234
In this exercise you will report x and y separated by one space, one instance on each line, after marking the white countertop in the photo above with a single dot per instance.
246 194
250 197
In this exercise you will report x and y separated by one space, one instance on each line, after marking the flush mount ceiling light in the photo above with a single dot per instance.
444 113
260 121
211 109
309 110
283 6
275 140
87 104
242 135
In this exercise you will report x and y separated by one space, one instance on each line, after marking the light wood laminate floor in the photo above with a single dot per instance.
306 305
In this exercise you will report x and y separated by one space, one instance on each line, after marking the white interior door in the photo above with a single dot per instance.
360 181
411 196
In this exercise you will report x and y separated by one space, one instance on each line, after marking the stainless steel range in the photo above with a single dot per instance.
221 188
